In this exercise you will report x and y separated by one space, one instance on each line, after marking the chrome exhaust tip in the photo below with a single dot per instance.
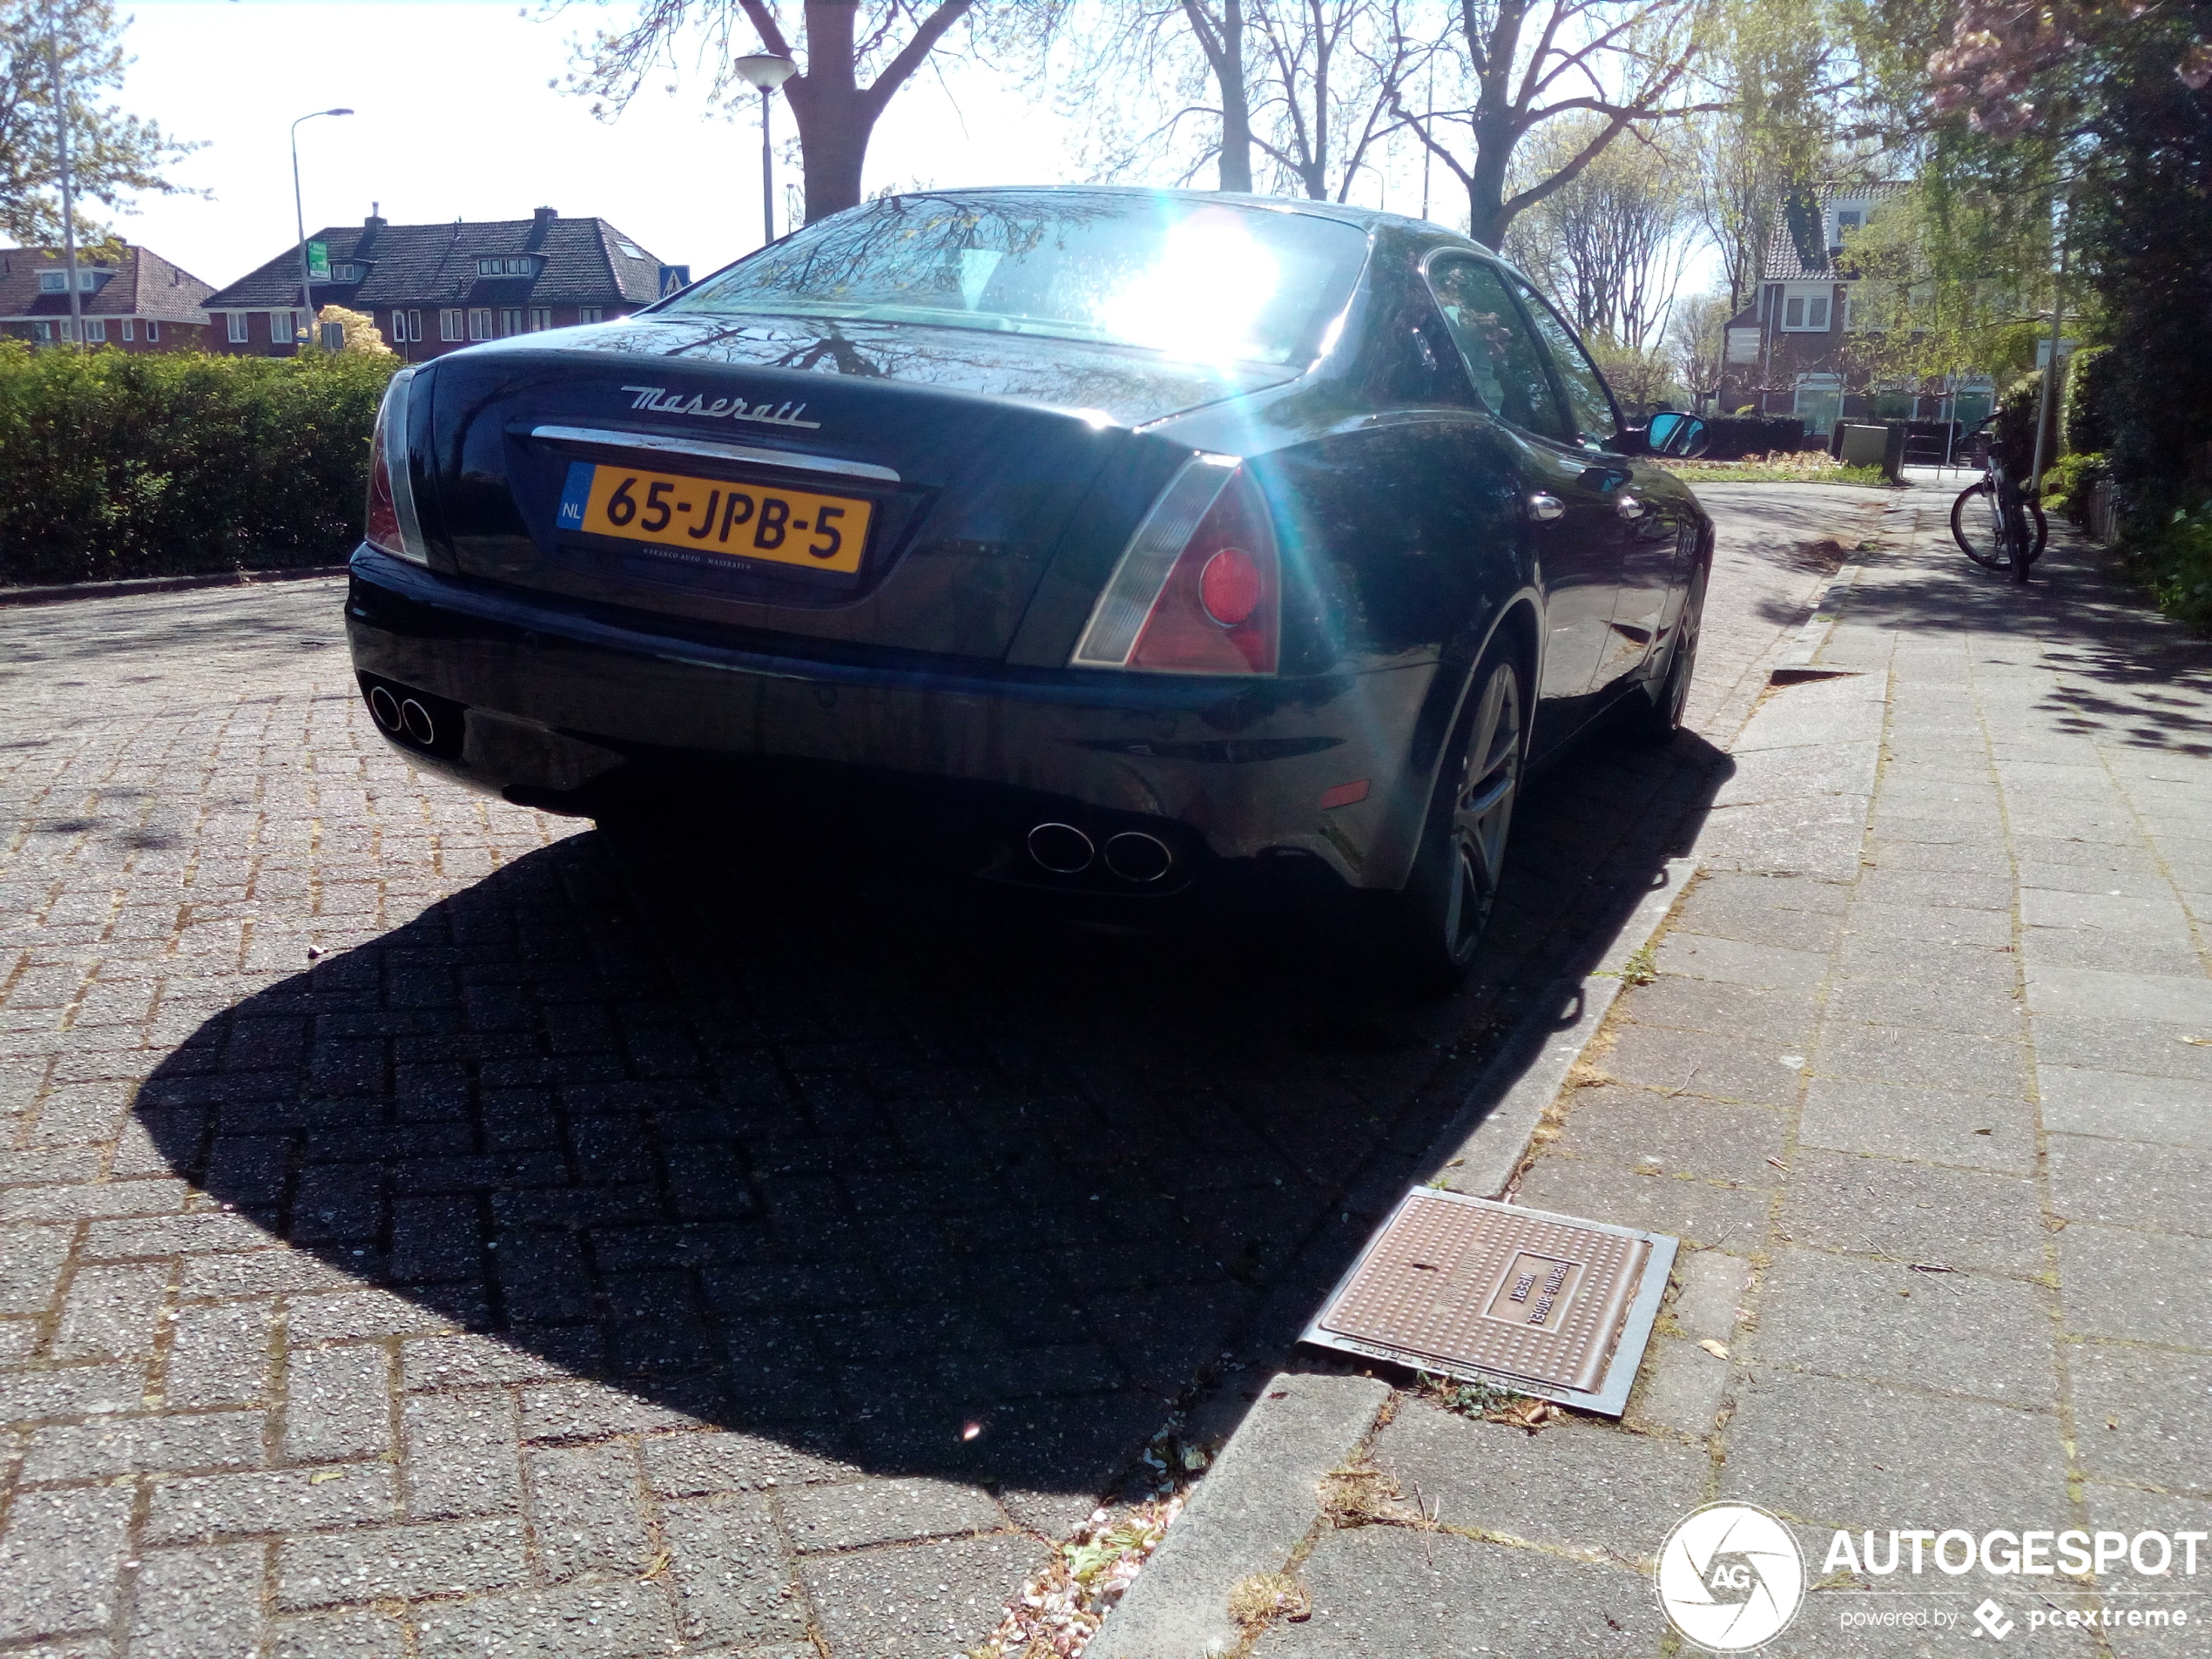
418 724
384 707
1060 848
1134 856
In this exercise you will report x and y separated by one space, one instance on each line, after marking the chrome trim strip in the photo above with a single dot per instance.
656 443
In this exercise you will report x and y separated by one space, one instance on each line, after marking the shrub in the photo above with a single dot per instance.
2068 481
2171 554
160 463
1737 435
2086 414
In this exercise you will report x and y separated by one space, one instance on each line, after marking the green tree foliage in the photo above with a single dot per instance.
111 153
155 463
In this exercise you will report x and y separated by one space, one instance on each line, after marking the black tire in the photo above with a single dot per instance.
1429 932
1974 527
1654 714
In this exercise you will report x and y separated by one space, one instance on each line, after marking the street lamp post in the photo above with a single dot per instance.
300 218
69 188
767 71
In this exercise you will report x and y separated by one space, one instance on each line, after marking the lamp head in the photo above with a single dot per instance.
764 70
337 112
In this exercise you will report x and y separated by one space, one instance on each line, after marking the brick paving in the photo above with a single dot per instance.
423 1232
1925 1084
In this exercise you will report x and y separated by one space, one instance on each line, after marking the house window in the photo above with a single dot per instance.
53 282
345 273
281 327
406 326
587 314
1806 312
480 322
523 266
510 320
88 281
237 327
96 330
42 332
153 331
540 317
450 326
1846 216
130 329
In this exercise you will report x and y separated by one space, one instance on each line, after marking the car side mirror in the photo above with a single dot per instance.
1681 436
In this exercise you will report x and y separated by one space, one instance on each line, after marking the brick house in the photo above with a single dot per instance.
138 302
1790 351
434 288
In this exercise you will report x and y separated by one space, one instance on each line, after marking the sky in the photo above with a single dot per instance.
452 117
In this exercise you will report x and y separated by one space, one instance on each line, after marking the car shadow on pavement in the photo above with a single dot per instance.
893 1180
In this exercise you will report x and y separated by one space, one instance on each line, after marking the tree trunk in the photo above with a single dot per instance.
1486 215
1236 109
834 114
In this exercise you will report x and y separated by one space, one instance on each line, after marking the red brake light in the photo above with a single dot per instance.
1204 600
383 513
392 527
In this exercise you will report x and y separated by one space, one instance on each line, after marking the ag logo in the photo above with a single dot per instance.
1731 1577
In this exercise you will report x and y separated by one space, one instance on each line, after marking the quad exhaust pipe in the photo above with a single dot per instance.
1131 855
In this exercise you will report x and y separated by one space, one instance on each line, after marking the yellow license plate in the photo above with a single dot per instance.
743 520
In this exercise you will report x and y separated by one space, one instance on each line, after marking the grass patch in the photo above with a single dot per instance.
1782 466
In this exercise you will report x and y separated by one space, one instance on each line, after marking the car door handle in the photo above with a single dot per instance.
1627 506
1544 507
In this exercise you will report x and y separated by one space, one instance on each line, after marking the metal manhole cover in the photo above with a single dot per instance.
1545 1304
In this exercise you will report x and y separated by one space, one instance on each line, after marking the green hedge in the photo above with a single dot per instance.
165 463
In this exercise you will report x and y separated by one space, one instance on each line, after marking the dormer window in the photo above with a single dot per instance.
1844 216
345 271
53 282
521 265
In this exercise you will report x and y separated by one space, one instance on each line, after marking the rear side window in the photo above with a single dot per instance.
1595 421
1502 358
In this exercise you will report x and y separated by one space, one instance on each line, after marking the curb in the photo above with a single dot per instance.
1257 1504
1479 1150
1899 522
63 592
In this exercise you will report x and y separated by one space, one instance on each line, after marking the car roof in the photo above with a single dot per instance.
1368 218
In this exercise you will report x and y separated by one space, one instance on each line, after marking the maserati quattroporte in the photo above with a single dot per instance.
1118 543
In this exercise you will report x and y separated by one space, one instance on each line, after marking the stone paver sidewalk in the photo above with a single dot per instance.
1925 1081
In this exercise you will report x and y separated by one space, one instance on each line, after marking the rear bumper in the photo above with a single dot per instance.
582 710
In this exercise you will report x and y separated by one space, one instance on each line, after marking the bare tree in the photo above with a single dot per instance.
1698 340
853 60
1610 242
1326 72
1521 64
1175 65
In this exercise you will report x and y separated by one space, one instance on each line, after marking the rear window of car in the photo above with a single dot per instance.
1203 282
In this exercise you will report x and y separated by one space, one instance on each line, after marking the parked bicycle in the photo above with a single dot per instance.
1994 521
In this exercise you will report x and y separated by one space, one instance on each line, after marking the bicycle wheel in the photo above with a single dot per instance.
2040 525
1977 526
2023 537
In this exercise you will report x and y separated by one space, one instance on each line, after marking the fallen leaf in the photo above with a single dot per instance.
2202 1043
321 1475
1718 1349
660 1565
2111 1422
1777 1163
1985 1131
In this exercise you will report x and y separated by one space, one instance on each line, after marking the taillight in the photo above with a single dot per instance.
392 525
1198 587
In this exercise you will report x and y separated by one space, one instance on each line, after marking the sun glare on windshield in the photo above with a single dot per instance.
1202 298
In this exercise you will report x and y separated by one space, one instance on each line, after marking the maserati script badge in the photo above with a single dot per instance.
660 400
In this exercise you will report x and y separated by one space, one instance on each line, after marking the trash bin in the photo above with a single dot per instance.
1864 446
